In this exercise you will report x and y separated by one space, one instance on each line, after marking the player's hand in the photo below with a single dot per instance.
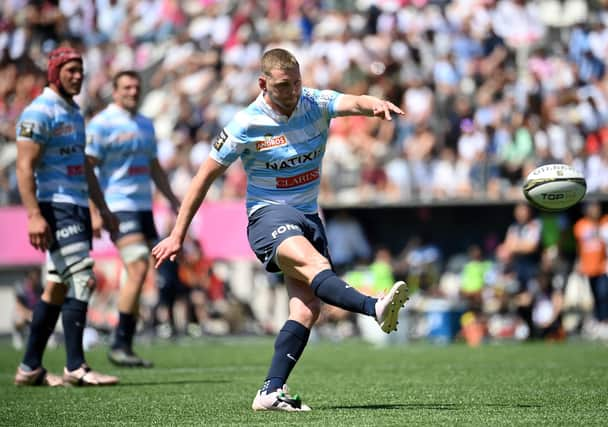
110 223
39 232
384 109
167 248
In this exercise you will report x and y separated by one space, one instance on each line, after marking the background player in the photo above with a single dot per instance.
122 145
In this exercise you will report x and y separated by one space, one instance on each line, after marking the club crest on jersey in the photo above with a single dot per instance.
219 142
26 129
270 142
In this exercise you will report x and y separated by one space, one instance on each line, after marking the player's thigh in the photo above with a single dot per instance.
136 233
135 223
68 259
299 259
268 227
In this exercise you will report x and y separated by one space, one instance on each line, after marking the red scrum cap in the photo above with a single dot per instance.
57 58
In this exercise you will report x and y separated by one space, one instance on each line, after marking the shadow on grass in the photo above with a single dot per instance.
434 406
512 405
437 406
176 382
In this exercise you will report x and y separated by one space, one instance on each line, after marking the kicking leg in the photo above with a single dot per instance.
298 258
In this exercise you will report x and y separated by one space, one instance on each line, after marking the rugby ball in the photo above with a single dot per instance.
555 187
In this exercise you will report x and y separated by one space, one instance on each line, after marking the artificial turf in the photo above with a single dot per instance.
213 381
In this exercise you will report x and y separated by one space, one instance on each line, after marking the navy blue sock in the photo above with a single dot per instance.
123 337
288 347
335 291
43 324
74 318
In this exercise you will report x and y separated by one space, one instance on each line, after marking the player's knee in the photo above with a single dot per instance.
79 277
318 264
82 284
136 272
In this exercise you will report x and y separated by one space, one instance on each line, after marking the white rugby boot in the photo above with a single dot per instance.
279 400
388 306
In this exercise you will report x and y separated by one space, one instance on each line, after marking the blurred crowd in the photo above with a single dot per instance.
546 278
491 88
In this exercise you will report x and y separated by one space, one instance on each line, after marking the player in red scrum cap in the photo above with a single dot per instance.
55 184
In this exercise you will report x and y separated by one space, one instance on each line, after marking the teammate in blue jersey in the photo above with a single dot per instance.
122 145
281 138
55 184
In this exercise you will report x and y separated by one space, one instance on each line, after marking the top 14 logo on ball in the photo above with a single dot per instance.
554 187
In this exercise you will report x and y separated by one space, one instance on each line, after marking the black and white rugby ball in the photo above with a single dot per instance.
555 187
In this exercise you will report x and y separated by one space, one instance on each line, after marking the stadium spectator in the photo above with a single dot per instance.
27 295
521 249
206 298
121 145
547 294
53 179
170 290
282 136
591 233
348 244
473 278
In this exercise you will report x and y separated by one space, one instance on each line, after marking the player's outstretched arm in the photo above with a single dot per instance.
366 105
169 247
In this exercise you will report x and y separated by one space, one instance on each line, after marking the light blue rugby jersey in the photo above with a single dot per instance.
281 156
124 144
58 126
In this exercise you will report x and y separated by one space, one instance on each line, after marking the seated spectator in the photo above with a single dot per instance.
473 278
547 302
206 296
591 232
348 244
27 294
516 152
451 176
520 249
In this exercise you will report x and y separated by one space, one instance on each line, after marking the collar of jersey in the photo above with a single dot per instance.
272 113
52 94
115 107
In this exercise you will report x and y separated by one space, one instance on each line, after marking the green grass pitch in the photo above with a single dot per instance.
213 381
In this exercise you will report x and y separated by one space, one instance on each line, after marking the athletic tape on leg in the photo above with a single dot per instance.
134 251
51 273
75 268
82 284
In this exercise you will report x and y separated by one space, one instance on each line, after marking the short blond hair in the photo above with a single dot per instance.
278 59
